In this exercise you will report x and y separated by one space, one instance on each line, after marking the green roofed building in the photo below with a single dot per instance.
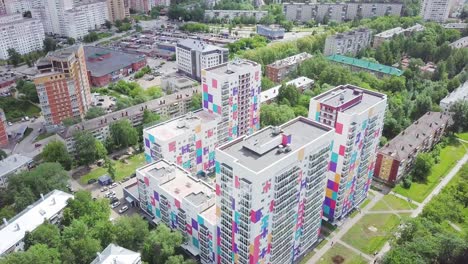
379 70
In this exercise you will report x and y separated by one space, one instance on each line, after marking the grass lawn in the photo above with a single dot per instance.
26 133
42 136
448 158
390 201
306 258
363 204
371 232
18 108
338 251
463 136
122 170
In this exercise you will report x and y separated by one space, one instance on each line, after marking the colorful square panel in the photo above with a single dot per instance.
339 128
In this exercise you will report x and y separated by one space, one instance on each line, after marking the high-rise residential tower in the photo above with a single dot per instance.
118 9
435 10
63 85
232 91
357 116
270 191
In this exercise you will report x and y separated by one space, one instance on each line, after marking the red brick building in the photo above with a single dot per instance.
108 65
63 85
280 69
3 133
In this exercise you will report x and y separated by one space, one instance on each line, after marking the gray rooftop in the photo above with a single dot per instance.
341 95
114 254
117 60
292 60
231 67
401 146
461 93
198 198
198 45
12 163
259 150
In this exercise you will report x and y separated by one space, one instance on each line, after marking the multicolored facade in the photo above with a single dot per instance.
357 116
181 202
270 191
232 91
188 141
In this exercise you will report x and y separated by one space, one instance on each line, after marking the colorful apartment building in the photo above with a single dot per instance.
3 132
270 191
188 141
232 91
62 85
183 203
396 158
357 116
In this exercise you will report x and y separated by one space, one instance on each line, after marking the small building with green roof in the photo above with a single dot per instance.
354 64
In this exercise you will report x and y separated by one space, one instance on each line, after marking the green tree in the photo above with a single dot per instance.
56 151
40 254
87 148
49 44
160 245
154 13
14 57
47 234
78 246
70 121
71 41
104 231
288 94
196 102
273 114
123 134
2 154
108 24
267 83
422 166
111 168
132 232
460 116
94 112
28 89
84 208
150 117
7 212
91 37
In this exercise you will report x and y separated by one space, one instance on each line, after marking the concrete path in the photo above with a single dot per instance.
434 192
355 250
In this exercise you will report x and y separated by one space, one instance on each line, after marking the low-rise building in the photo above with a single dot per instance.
114 254
176 83
339 12
350 42
193 56
354 64
3 132
189 141
428 68
457 26
48 208
460 94
12 165
461 43
389 34
231 14
271 32
183 203
279 70
172 105
107 65
396 158
301 83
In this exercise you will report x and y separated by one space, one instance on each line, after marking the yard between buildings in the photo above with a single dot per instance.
341 254
448 158
122 169
371 232
391 202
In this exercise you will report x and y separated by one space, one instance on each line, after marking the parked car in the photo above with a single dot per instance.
113 200
113 185
103 189
91 181
37 145
133 175
125 179
123 209
116 204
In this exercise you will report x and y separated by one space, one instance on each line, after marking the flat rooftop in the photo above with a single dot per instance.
368 65
180 125
260 150
292 60
461 93
179 183
232 66
103 61
31 217
198 45
391 32
12 163
273 92
210 215
351 99
114 254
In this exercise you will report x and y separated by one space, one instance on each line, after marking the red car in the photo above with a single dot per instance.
37 145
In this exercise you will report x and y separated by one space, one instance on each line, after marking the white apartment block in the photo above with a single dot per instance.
183 203
270 191
232 91
357 116
188 141
73 18
21 6
339 12
193 56
435 10
350 42
460 94
23 34
231 14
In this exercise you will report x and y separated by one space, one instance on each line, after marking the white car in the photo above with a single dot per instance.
116 204
113 185
123 209
104 189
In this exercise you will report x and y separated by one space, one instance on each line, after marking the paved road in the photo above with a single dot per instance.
434 192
